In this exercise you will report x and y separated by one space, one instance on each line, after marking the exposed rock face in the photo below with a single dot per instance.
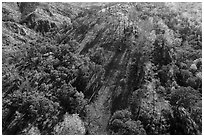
40 18
15 34
10 12
27 7
23 21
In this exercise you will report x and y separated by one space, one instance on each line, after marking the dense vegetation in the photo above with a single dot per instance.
102 68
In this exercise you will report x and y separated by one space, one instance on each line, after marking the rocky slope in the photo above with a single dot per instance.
119 66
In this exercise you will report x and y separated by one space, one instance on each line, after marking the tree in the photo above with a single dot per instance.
184 101
71 125
122 124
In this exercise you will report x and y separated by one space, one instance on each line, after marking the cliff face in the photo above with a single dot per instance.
22 21
117 65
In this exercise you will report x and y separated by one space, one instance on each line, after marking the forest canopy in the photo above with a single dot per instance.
99 68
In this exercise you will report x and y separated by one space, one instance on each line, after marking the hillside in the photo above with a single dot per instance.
101 68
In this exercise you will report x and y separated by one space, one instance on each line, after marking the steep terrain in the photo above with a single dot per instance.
102 68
